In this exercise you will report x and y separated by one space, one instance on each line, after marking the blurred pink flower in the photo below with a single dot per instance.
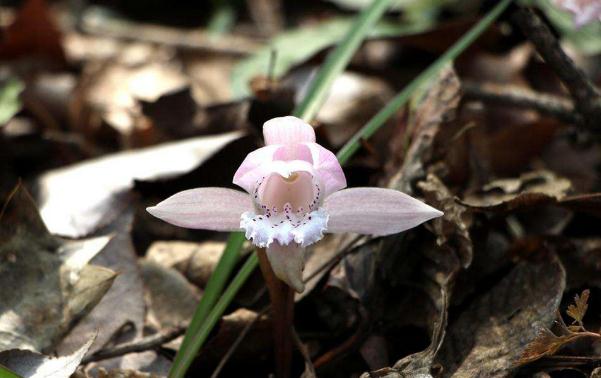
584 11
294 193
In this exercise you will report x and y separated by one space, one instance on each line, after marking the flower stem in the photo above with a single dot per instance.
282 314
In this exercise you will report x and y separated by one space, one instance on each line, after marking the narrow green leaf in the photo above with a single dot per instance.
400 99
338 60
298 45
223 18
198 336
10 104
6 373
213 290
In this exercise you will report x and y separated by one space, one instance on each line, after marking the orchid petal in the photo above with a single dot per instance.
250 170
327 168
288 263
375 211
216 209
287 130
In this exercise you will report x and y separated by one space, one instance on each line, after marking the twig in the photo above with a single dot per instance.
587 99
141 345
521 97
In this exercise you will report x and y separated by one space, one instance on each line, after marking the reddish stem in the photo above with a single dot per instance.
282 313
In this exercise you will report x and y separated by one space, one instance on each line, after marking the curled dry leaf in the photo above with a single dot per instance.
43 274
79 199
30 364
530 189
492 332
437 106
452 229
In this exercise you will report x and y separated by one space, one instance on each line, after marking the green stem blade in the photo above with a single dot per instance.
402 97
339 59
7 373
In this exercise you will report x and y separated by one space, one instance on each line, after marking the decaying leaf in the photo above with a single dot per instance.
452 229
492 332
530 189
577 310
546 343
437 105
127 292
46 281
171 299
196 261
30 364
79 199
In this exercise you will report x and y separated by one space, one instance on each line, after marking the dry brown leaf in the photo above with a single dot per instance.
46 281
546 343
492 332
577 310
530 189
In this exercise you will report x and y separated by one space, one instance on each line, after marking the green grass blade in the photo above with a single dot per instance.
213 290
7 373
200 335
339 59
400 99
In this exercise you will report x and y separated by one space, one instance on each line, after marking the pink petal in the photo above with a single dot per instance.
375 211
247 174
327 168
216 209
287 130
288 262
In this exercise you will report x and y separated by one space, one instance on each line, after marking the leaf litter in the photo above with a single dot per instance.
105 110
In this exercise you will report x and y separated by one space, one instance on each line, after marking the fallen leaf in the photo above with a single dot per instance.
30 364
437 105
47 282
127 293
77 200
530 189
492 332
171 299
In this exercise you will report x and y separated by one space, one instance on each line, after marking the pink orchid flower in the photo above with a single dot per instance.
294 194
584 11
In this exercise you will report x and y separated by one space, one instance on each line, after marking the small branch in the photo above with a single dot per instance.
524 98
141 345
586 97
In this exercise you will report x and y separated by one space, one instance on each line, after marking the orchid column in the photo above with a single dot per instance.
294 194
